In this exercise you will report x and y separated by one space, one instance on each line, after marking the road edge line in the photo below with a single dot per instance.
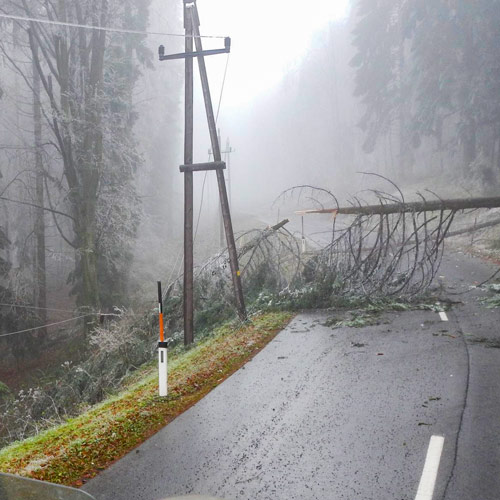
429 474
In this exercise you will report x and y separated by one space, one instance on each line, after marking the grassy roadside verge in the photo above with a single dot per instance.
81 447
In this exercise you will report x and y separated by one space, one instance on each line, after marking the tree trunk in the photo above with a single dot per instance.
418 206
469 145
40 274
82 161
91 167
89 295
470 69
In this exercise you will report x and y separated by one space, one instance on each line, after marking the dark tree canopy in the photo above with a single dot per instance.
432 69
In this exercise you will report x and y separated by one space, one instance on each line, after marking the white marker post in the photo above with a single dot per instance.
303 239
162 350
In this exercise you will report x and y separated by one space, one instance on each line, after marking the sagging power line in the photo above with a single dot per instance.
99 28
24 306
46 326
99 314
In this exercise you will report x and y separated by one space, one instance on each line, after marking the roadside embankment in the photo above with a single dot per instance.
83 446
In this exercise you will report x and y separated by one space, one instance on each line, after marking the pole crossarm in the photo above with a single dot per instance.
185 55
200 167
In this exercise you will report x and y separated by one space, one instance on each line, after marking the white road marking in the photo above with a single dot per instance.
443 316
431 466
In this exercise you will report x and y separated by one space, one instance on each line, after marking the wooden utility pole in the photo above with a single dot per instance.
226 154
226 214
188 184
191 27
221 218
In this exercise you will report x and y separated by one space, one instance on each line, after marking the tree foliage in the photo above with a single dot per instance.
378 40
435 63
88 79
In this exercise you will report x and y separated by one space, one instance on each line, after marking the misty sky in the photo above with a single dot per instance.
267 37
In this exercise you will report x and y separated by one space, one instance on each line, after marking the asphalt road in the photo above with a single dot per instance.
476 473
346 413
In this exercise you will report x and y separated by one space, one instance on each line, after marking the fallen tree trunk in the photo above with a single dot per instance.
471 229
414 207
262 236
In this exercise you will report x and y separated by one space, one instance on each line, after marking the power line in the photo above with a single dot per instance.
201 205
100 28
222 89
22 306
46 326
216 120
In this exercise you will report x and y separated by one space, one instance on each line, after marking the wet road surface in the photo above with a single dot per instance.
343 413
476 474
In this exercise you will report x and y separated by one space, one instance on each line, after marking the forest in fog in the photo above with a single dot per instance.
91 137
79 153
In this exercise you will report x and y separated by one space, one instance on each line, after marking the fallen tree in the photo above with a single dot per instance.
391 247
385 208
475 227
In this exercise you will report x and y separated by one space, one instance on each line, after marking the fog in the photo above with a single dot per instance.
311 94
265 110
268 110
334 104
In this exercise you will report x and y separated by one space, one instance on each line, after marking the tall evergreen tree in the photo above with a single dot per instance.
436 64
379 68
455 49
